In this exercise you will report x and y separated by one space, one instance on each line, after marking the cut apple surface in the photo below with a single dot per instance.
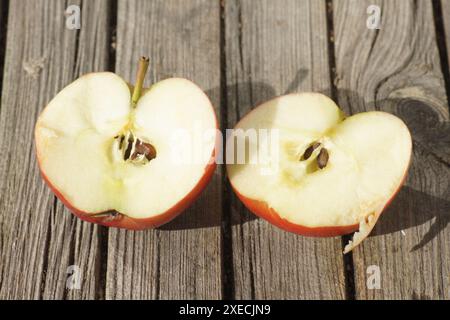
115 163
329 174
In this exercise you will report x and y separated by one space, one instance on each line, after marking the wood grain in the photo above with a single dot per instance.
182 259
273 48
39 238
445 7
3 29
268 48
397 69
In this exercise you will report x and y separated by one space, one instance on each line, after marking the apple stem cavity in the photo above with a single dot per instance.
142 70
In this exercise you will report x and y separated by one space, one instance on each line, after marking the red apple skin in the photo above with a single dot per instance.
124 222
262 210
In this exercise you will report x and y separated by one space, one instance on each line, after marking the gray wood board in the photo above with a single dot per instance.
39 238
445 7
397 69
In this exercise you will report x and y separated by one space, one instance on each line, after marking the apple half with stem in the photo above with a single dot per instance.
107 149
330 175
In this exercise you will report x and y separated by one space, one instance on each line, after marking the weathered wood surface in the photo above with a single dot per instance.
254 51
273 48
445 16
183 259
39 237
397 69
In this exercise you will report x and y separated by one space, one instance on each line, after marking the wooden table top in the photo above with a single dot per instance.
241 53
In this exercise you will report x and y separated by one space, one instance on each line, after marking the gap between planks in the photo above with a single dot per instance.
103 233
349 270
227 274
4 6
441 39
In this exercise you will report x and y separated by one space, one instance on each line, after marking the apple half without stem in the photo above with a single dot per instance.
329 175
113 158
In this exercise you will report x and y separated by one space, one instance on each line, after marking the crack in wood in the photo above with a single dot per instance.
47 246
3 35
349 272
442 46
227 276
103 232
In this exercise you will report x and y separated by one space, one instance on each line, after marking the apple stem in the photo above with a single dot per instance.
142 70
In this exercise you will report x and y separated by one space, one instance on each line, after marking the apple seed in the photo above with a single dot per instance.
146 149
310 150
122 138
152 152
143 149
129 148
322 159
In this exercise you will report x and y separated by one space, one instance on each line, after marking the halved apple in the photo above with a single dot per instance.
330 175
110 156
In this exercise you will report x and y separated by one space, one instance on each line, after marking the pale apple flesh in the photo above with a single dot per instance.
367 159
77 142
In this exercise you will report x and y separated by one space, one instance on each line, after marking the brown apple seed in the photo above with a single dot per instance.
142 148
310 150
122 138
150 154
322 158
127 153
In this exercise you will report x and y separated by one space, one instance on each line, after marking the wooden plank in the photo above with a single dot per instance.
3 28
39 238
274 48
397 69
445 7
182 259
